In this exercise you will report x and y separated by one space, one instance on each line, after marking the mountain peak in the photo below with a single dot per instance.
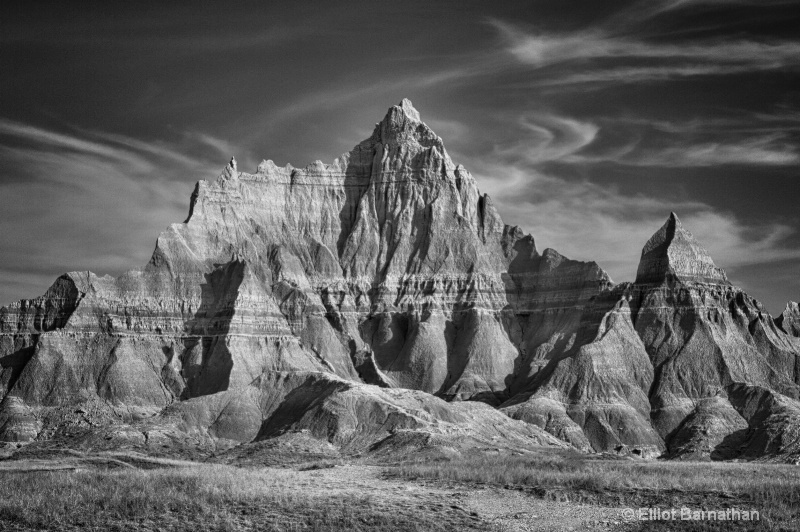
408 108
789 320
402 125
673 251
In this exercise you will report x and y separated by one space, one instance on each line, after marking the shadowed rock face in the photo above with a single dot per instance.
702 334
386 266
309 298
714 429
704 338
598 386
652 362
773 431
352 416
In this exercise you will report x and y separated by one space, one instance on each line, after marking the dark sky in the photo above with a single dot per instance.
588 122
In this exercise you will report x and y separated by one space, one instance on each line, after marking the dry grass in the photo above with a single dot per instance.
216 497
772 489
197 498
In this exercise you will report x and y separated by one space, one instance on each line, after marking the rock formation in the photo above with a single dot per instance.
789 320
658 374
336 298
703 335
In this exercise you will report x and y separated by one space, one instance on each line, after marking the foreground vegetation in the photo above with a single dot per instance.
198 498
773 490
121 492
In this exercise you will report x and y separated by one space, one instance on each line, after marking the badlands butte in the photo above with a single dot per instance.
379 304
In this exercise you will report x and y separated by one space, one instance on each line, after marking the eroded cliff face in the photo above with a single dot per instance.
387 268
653 362
702 335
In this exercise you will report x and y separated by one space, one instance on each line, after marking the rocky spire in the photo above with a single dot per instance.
402 125
673 251
789 320
230 171
408 109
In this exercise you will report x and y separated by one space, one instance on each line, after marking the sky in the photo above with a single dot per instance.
587 122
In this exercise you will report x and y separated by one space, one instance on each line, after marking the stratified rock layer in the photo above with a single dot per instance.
649 368
773 431
334 299
703 334
714 430
673 252
386 266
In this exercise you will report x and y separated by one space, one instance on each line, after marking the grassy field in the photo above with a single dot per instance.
126 492
198 498
773 490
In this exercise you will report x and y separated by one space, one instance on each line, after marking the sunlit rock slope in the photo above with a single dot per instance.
340 298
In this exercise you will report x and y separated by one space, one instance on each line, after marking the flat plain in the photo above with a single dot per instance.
539 491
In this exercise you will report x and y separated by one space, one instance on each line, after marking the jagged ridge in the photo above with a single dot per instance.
389 267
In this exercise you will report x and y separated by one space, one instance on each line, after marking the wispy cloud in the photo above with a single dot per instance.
87 200
671 5
765 150
132 154
343 93
44 137
588 221
630 75
580 219
647 10
221 146
549 137
726 237
540 50
606 57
